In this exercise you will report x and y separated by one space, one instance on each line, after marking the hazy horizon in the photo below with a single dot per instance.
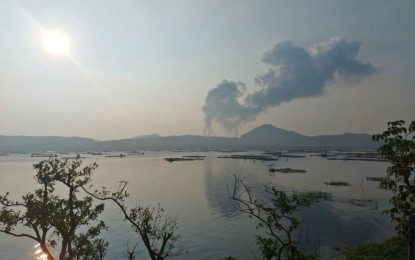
180 134
113 70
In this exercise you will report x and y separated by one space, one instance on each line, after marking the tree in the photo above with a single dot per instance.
158 233
275 214
50 218
398 147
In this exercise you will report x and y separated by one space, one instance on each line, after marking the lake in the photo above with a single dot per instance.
197 193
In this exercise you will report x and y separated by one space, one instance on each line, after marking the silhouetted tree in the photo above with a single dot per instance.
275 214
131 253
54 218
398 147
158 233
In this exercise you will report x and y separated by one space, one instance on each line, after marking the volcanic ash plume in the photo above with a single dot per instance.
293 73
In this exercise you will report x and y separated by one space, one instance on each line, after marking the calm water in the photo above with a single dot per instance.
196 192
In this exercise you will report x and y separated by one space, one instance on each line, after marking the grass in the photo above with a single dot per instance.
391 249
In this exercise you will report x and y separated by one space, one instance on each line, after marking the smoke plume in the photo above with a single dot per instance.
293 73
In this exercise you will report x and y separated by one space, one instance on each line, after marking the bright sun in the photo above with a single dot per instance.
56 42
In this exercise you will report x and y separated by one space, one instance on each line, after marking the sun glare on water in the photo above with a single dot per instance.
56 42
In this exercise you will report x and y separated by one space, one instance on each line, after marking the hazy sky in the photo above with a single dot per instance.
206 67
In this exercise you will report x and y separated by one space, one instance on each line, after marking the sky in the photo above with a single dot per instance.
217 67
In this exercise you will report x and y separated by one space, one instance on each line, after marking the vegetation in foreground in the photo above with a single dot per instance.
391 249
275 213
69 223
398 148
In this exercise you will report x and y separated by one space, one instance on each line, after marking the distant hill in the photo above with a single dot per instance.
147 136
344 140
269 135
262 137
42 143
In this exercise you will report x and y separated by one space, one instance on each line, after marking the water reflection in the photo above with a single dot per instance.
325 225
338 224
216 189
197 192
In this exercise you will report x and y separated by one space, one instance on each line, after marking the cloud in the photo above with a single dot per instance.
293 73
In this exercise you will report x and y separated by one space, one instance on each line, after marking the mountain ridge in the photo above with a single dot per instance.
262 137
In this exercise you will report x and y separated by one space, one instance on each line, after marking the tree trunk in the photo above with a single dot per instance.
47 252
411 253
411 240
64 249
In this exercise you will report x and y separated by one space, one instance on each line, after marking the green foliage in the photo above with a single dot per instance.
398 147
158 232
55 219
275 214
391 249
